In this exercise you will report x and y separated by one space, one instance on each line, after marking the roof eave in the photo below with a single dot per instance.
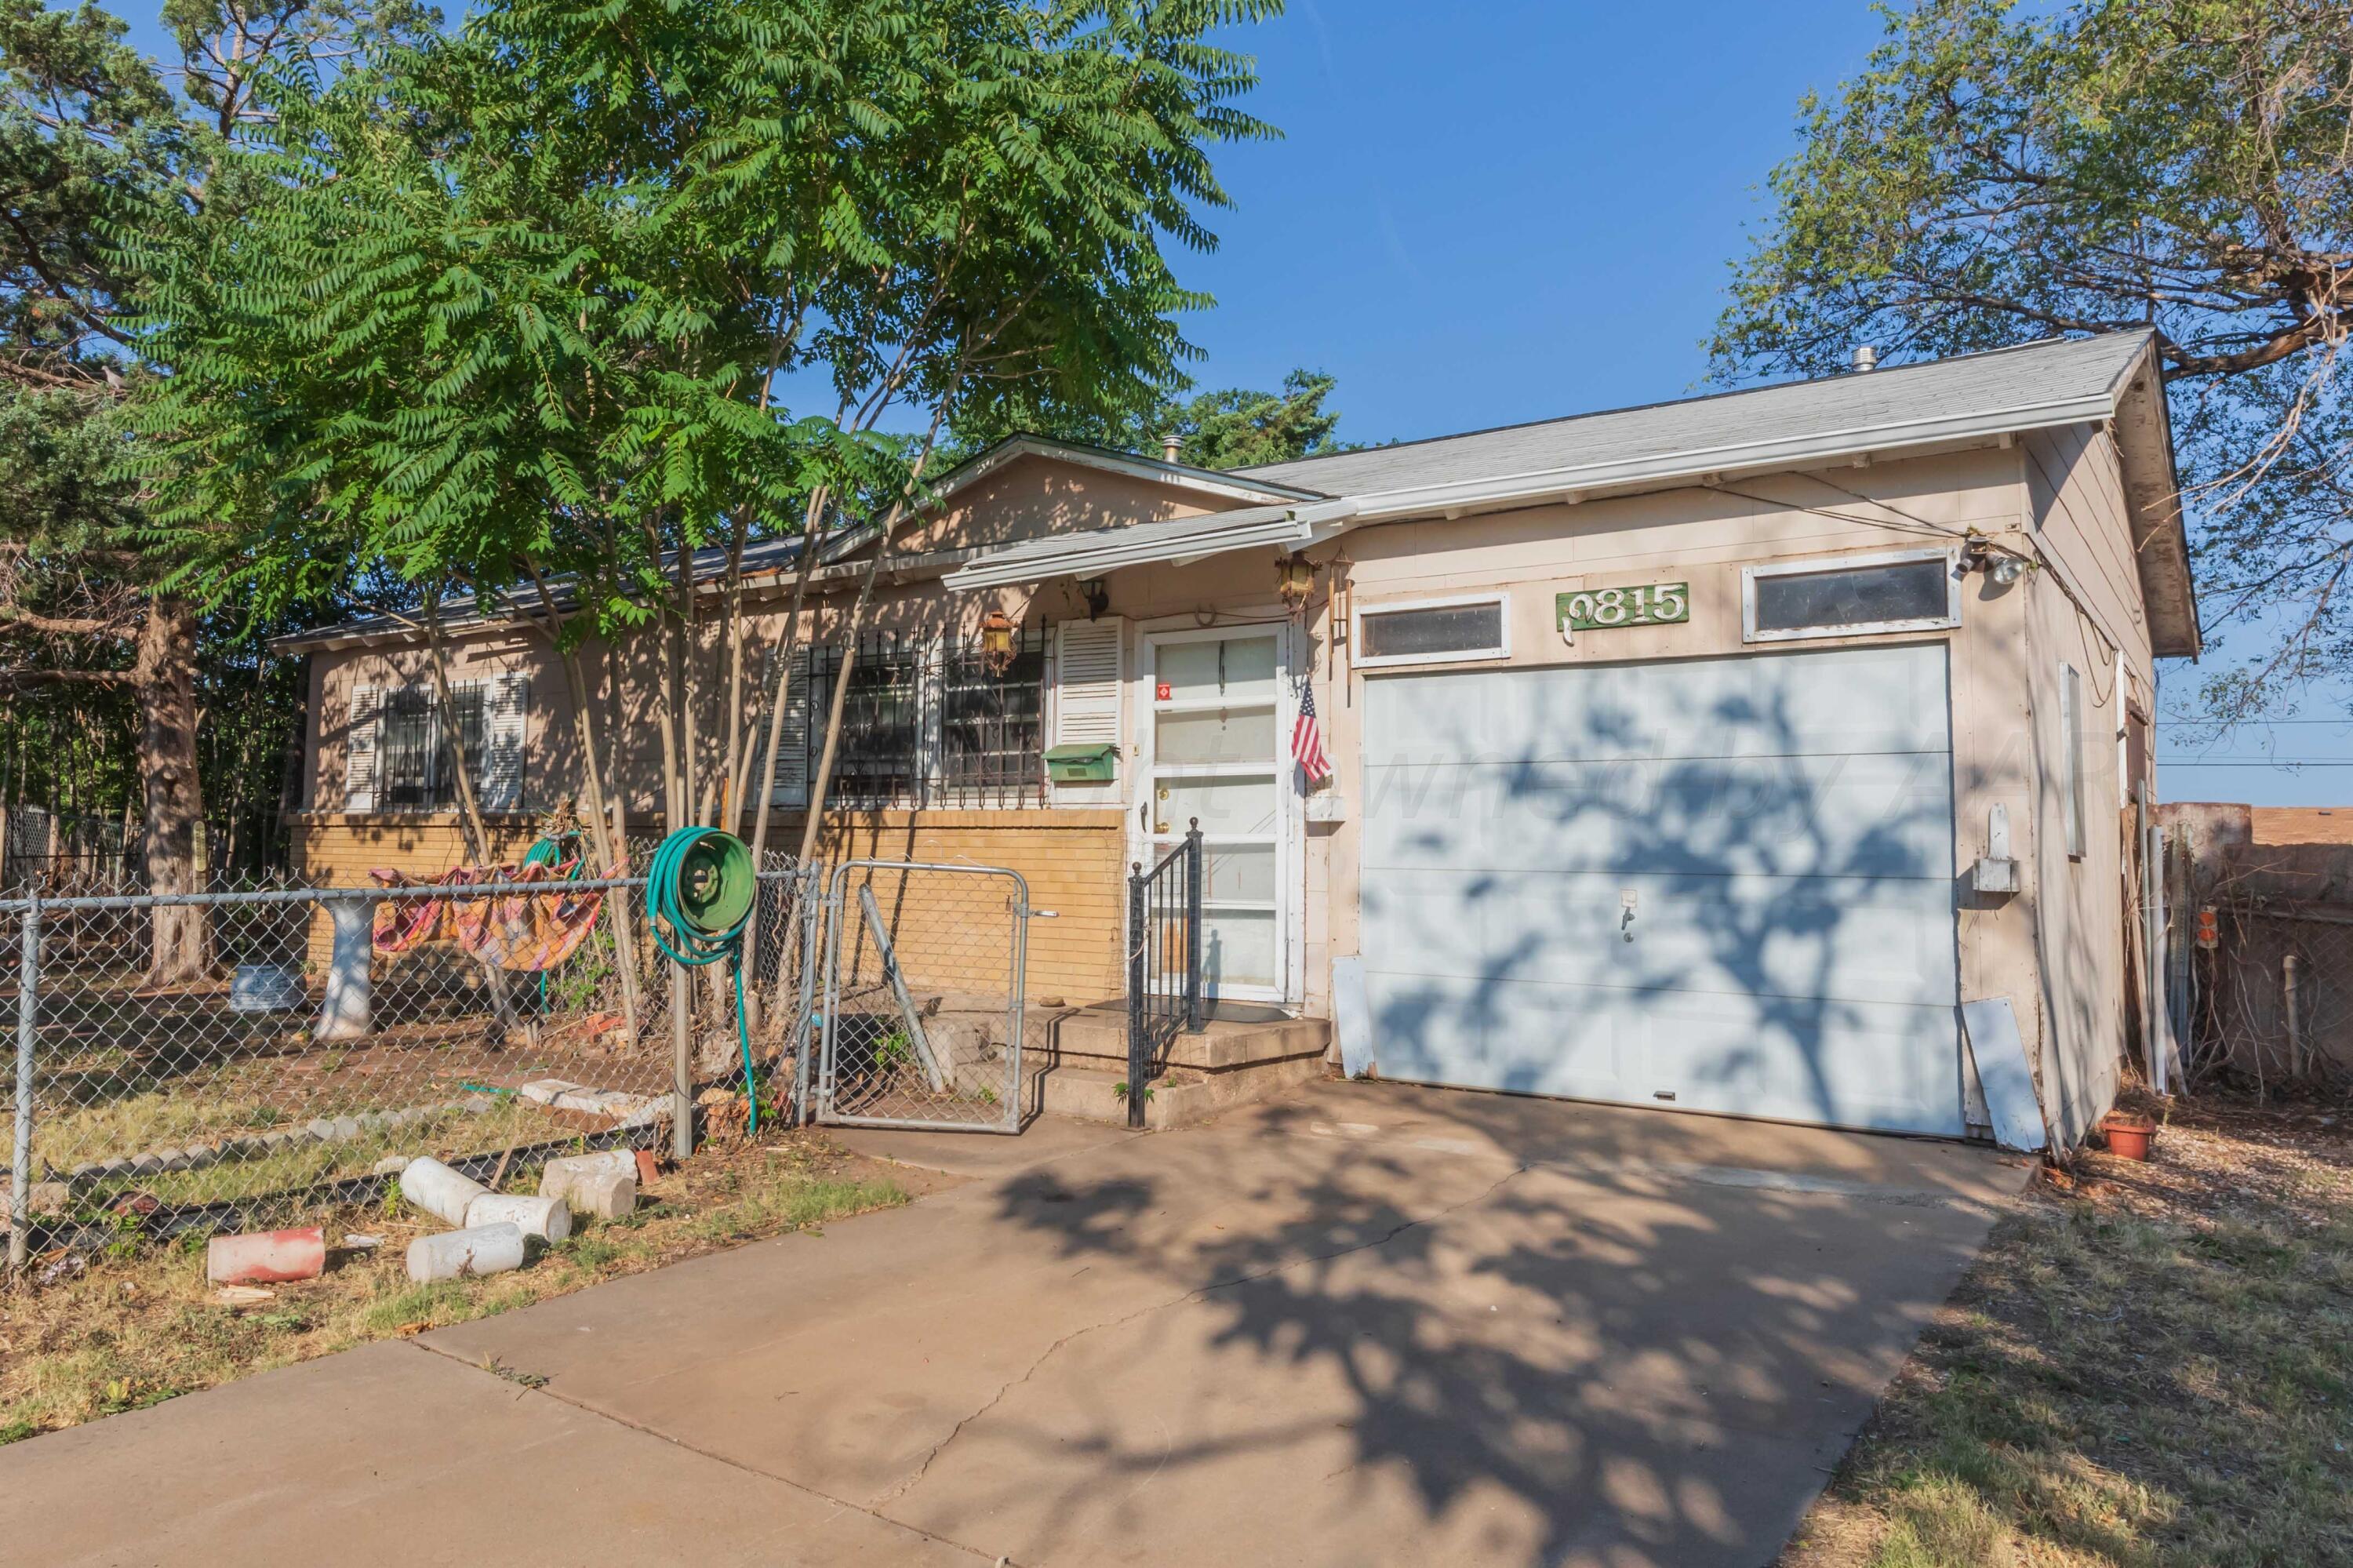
2144 437
1109 550
1780 454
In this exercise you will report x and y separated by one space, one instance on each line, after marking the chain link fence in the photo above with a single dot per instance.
924 1008
203 1061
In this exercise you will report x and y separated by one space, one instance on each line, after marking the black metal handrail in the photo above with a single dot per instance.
1164 961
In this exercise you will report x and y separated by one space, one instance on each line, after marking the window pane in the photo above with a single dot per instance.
1238 948
416 749
1244 871
1216 735
990 734
405 749
1420 633
472 733
1223 805
878 756
1228 668
1860 595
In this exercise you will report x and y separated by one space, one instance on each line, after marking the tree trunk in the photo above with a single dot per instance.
166 679
470 814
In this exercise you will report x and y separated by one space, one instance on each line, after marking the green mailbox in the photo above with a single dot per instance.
1093 763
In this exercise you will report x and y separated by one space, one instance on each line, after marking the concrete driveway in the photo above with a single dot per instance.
1367 1324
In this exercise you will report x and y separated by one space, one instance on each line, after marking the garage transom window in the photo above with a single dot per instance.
1432 632
1913 591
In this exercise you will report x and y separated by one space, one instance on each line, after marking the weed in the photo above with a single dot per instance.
140 1326
497 1368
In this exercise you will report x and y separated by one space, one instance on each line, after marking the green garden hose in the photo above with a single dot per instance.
699 897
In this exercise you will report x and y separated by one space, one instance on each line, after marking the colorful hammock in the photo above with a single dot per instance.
520 930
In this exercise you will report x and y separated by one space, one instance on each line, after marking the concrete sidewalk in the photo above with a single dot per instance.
1369 1324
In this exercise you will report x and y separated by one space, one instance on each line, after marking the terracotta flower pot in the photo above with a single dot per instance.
2130 1136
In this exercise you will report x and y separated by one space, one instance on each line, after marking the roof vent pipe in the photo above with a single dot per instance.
1169 446
1865 357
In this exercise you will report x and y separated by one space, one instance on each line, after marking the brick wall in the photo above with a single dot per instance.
1072 860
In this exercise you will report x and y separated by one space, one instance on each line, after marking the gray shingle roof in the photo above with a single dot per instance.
2039 373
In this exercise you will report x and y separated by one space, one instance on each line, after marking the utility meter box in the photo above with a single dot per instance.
1096 763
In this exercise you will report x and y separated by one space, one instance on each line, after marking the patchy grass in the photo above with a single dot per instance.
132 1331
2149 1366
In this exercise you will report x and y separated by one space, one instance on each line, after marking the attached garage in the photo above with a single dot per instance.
1721 884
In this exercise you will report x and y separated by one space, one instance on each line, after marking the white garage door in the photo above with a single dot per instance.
1724 884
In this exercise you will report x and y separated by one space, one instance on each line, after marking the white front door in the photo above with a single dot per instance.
1214 740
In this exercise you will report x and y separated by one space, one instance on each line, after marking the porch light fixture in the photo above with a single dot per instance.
1294 579
2003 567
1095 594
997 642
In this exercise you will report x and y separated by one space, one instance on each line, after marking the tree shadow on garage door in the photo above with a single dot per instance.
1405 1354
1769 931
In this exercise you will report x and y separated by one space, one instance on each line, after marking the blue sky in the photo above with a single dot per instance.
1486 213
1481 214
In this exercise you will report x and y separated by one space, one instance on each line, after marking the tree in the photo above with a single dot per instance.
1997 175
1240 429
95 146
1235 427
514 304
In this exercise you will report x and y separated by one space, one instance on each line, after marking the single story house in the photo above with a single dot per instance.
1704 756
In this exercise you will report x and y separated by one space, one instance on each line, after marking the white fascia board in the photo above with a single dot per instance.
1294 528
1782 453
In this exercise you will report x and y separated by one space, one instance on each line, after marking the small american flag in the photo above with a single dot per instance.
1307 740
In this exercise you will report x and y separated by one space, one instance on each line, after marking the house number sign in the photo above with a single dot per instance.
1652 604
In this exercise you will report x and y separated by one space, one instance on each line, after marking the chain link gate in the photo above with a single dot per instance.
924 1006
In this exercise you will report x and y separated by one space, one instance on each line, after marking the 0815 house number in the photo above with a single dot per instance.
1652 604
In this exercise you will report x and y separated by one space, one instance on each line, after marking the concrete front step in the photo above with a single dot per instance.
1097 1037
1092 1093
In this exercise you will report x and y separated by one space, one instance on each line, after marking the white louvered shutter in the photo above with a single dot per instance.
506 711
1090 666
792 738
360 748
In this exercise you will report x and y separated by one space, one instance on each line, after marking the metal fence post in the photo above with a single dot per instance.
807 1025
681 1061
1139 1045
1195 870
20 1169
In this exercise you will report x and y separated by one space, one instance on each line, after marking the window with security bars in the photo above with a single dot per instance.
879 759
928 723
992 724
417 754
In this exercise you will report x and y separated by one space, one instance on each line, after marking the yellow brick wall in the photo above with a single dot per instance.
945 926
1071 861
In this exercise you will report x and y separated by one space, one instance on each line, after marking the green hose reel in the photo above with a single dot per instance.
699 895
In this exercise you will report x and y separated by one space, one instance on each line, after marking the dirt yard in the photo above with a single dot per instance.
2150 1365
83 1336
